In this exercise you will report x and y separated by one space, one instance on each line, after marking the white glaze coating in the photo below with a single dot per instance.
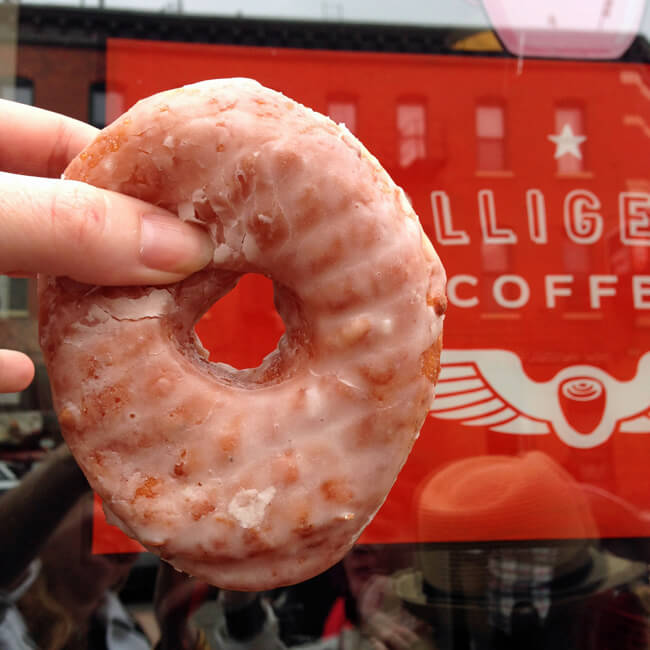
255 478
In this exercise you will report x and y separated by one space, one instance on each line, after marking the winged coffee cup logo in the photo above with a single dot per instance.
583 405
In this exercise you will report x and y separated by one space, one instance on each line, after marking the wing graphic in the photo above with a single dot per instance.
639 424
635 396
489 388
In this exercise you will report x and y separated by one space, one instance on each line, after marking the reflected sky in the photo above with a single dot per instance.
459 13
433 12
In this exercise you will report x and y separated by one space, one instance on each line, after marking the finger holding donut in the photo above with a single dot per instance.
254 478
66 228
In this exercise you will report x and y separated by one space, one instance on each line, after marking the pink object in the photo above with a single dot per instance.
566 28
249 479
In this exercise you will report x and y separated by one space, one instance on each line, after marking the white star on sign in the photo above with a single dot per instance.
567 142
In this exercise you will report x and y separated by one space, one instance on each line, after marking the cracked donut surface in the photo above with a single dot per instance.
250 479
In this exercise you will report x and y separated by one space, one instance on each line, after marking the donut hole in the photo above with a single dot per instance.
242 328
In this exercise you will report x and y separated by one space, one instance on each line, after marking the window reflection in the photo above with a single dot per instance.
491 137
569 139
574 593
103 104
343 111
21 91
14 297
411 132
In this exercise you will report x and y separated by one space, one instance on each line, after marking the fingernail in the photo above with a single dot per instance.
168 244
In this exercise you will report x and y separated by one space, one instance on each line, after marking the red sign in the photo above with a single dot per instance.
531 179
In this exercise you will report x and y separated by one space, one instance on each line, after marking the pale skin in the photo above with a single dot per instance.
66 228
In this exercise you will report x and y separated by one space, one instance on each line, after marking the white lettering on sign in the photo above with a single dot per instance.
634 218
597 290
536 209
583 224
641 291
442 221
511 303
492 234
552 290
462 290
452 291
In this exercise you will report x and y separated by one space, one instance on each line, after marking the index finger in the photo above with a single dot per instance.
37 142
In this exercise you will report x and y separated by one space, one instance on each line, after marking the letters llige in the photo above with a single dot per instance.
582 219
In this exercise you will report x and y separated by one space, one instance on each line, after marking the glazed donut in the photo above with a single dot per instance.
255 478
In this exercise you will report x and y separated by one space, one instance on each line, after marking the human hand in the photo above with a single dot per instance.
67 228
384 621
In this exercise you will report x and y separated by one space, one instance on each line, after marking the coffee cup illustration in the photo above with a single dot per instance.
582 400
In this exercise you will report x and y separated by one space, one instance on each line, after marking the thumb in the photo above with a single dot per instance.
61 227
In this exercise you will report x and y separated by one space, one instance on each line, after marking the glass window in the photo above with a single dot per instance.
569 139
97 108
491 137
343 111
411 132
14 297
21 91
103 104
4 294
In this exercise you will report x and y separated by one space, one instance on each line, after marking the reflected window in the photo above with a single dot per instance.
491 137
496 258
343 111
569 139
411 131
21 91
576 258
14 297
103 105
97 109
624 259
